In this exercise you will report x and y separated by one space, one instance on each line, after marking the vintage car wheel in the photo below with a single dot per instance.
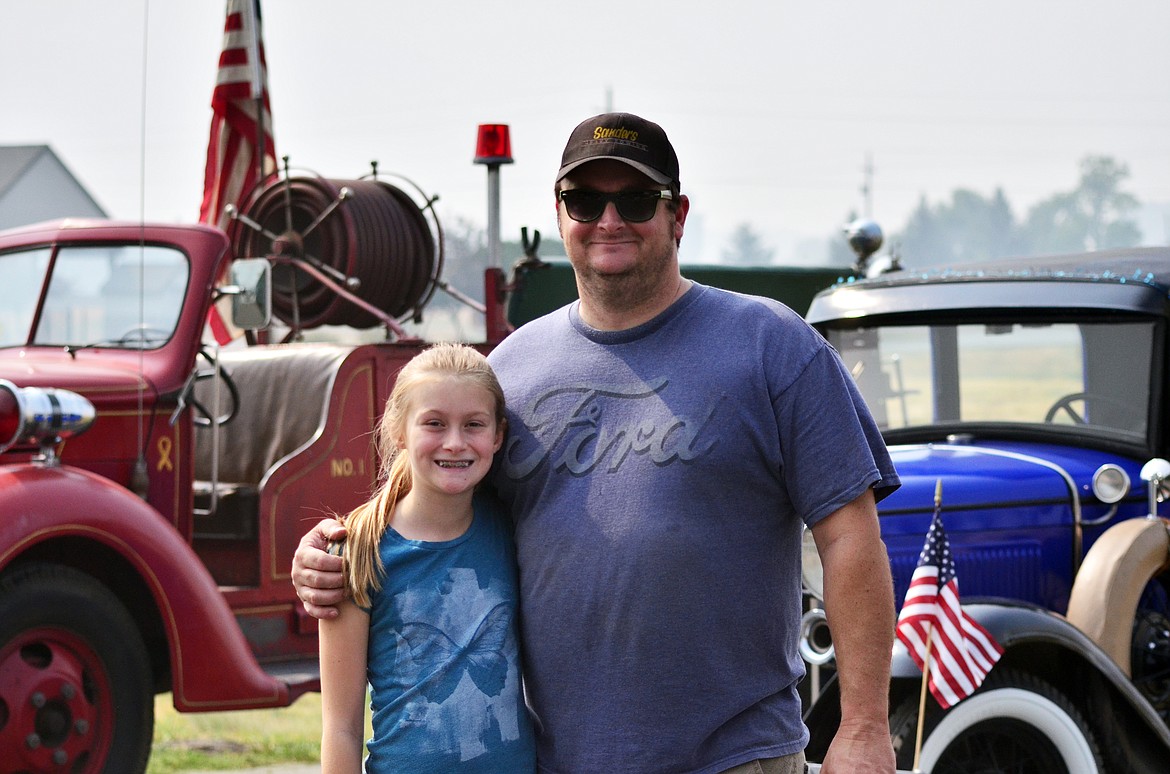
1013 723
75 688
1150 648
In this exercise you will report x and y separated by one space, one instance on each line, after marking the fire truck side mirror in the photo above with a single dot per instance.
251 293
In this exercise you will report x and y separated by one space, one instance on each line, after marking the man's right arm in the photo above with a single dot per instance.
317 575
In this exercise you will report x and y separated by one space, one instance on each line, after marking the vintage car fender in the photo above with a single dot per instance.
1035 641
212 666
1109 584
1022 629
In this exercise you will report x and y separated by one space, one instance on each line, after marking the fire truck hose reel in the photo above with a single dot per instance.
367 233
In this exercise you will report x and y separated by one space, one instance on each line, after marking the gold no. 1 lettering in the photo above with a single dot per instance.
345 468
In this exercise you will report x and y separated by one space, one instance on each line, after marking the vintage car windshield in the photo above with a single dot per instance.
1094 376
112 296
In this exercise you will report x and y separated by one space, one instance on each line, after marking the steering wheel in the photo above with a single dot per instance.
1065 405
143 334
202 415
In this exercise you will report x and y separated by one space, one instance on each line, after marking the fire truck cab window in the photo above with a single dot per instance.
24 274
116 296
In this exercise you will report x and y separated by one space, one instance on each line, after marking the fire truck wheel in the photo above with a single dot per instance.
1014 722
75 682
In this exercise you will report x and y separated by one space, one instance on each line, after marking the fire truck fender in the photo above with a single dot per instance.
212 666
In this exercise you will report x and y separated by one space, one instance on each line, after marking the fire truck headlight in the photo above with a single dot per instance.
40 415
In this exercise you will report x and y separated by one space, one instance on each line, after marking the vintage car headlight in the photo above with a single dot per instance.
1110 483
812 573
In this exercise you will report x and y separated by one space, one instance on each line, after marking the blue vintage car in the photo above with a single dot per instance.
1034 393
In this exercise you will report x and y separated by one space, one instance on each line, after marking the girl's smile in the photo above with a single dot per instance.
451 436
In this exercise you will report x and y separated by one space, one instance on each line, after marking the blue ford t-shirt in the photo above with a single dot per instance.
659 478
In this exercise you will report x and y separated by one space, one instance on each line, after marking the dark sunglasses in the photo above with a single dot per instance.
584 206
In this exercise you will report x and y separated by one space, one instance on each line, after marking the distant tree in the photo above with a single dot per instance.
992 227
924 240
747 249
1091 217
466 255
970 227
1055 225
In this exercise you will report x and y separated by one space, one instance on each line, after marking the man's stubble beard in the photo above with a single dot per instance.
624 291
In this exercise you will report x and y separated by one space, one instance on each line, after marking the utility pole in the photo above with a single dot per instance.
867 186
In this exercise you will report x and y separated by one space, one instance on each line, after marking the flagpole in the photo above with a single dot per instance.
931 600
926 658
922 699
253 15
236 162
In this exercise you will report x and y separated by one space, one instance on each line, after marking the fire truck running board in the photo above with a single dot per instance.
302 676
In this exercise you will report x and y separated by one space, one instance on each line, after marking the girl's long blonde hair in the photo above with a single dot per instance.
367 523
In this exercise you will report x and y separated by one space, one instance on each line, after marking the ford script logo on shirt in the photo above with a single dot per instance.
582 428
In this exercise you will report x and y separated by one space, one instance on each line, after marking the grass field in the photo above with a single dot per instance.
232 740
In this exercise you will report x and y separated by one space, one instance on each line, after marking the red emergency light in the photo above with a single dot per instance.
493 144
43 416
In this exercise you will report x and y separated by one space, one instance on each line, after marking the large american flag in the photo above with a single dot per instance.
239 99
238 138
961 652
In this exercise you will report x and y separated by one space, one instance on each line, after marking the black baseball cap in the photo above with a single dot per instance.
622 137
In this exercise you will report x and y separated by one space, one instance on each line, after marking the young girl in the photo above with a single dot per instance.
431 571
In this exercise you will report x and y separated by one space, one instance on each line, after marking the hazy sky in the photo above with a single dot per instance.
773 106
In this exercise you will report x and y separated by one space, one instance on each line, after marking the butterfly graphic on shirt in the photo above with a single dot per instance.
442 662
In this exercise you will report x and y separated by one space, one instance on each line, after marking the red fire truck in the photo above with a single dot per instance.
152 551
153 489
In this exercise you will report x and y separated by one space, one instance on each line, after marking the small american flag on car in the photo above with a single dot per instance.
938 633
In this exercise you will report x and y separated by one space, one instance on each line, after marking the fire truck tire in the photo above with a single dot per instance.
75 682
1014 722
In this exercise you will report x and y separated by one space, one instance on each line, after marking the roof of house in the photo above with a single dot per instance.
15 160
21 162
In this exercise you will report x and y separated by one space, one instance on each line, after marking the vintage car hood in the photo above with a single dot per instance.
1011 512
981 475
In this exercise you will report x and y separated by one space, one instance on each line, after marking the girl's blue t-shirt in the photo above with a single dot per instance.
443 662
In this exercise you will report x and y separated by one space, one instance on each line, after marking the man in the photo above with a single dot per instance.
666 443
